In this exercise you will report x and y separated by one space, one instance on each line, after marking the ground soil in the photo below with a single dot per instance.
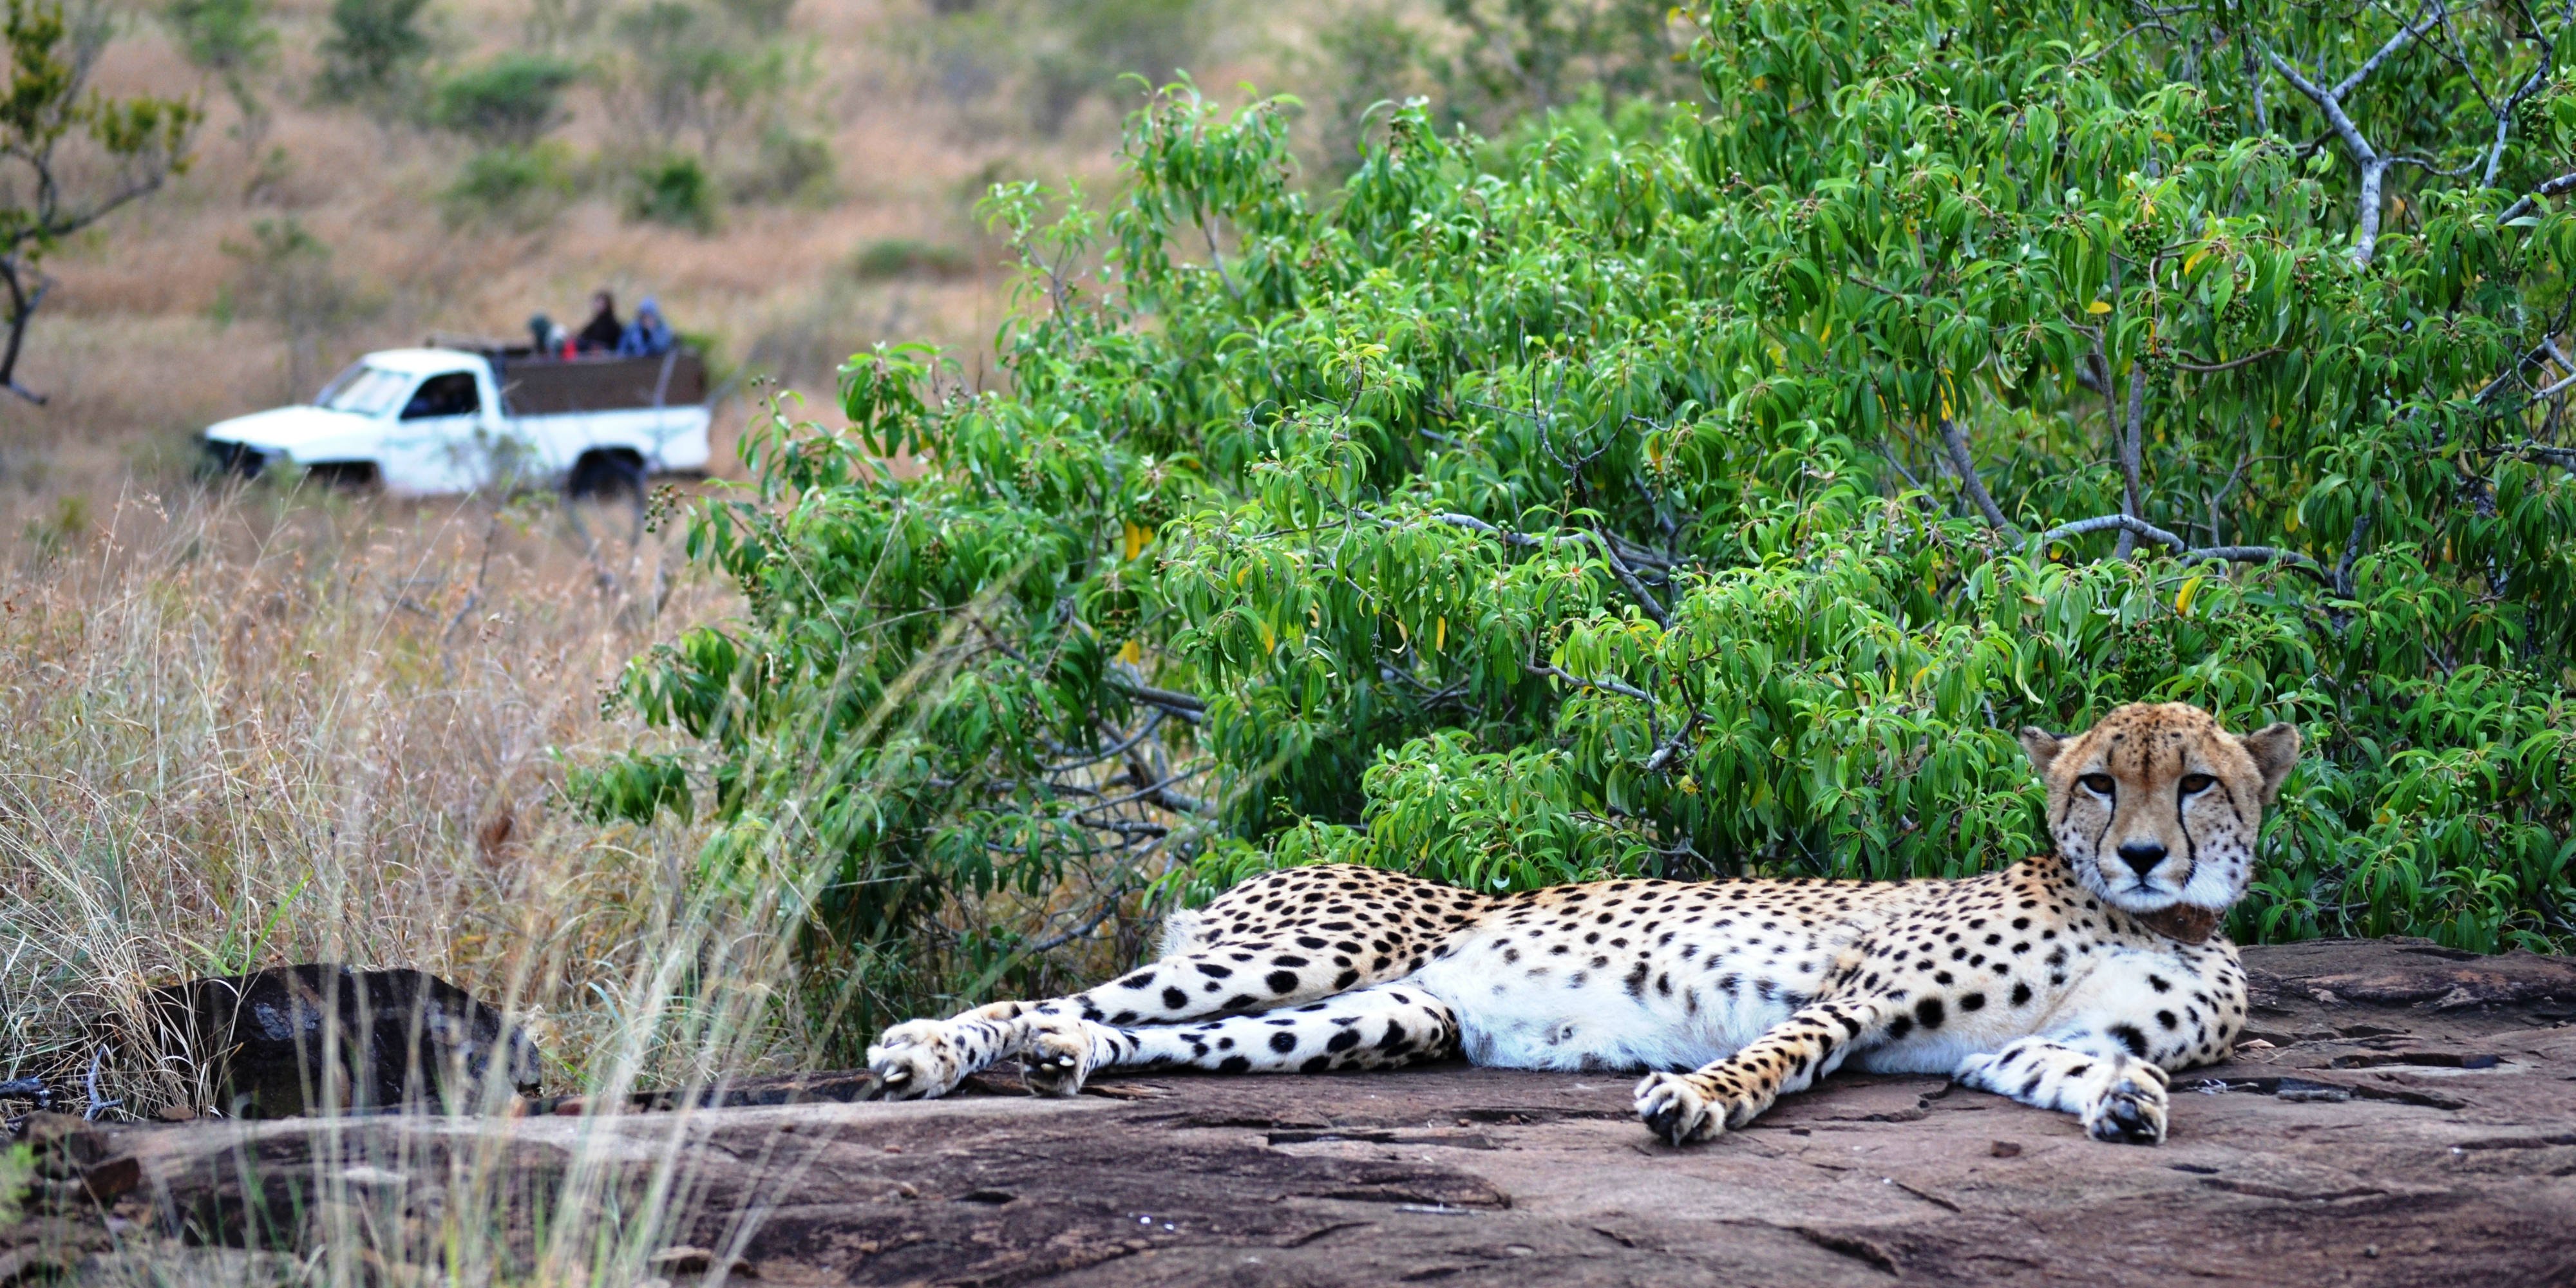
2400 1114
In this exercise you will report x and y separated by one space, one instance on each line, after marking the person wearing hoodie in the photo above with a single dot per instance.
648 336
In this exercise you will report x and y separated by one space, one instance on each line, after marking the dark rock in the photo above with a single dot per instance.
297 1039
2282 1168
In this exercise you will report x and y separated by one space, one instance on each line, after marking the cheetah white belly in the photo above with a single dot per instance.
1543 1012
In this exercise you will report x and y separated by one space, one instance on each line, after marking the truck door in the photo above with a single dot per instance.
451 440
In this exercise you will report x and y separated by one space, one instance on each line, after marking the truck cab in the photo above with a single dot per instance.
431 421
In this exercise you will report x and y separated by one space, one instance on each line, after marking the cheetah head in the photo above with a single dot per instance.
2156 808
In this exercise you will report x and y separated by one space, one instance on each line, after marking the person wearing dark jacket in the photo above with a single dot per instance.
603 331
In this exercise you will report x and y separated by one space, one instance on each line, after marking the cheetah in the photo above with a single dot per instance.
2072 981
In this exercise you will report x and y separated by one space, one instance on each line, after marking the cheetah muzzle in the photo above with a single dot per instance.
2073 981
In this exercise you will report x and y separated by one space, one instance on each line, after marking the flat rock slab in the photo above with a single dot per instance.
2402 1115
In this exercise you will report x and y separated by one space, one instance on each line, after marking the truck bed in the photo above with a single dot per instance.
532 386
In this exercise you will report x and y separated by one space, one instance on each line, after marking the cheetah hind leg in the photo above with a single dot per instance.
1371 1028
2119 1097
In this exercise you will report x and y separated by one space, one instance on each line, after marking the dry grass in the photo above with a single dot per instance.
244 729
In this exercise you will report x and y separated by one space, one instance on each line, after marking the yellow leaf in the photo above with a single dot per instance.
1133 653
1269 638
2098 307
2190 591
1136 539
1440 635
2192 260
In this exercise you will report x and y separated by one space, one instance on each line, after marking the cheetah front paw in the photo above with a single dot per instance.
915 1060
1685 1107
2130 1111
1055 1056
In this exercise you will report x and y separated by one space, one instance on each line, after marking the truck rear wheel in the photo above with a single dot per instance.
606 476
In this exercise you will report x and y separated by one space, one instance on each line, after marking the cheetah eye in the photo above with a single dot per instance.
2195 784
2097 783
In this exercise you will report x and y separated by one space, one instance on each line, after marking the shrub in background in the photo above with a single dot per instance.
518 185
674 189
892 257
1691 494
373 54
232 41
787 166
509 102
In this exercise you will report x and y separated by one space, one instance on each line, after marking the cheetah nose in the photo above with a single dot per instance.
2142 856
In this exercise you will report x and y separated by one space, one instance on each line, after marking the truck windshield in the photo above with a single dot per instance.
365 390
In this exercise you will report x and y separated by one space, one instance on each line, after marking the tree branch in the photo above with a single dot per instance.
1636 589
2374 167
1605 684
2232 363
1180 706
2132 487
1957 441
2184 550
2523 206
1607 544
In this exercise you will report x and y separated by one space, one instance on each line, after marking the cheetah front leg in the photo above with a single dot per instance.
2119 1096
919 1059
1790 1057
1370 1028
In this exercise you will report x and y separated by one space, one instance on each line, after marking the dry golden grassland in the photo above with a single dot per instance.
246 727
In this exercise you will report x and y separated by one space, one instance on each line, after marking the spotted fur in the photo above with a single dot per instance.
2062 981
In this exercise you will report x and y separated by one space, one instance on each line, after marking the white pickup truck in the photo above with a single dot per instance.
419 422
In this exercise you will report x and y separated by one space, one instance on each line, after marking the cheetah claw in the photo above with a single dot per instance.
1675 1111
2129 1113
913 1061
1054 1058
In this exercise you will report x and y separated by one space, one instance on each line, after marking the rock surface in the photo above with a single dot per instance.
2401 1115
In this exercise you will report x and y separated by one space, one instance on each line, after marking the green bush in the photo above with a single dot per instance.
1687 494
672 189
374 51
509 102
786 166
519 185
892 257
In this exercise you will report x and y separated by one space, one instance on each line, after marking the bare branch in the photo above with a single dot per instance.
1180 706
1636 589
1605 684
2434 13
2232 363
2562 457
2109 522
1957 440
2548 188
1607 544
2352 550
2133 488
2374 167
2184 550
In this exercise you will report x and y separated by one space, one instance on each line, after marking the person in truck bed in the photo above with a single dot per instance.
648 336
603 332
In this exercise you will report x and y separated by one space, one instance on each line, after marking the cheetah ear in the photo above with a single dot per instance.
2042 747
2275 748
